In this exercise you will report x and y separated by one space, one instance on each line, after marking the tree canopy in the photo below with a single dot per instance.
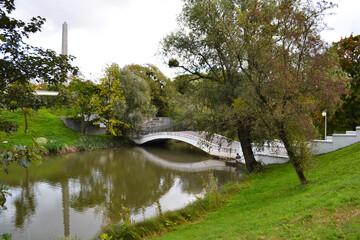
109 101
264 66
348 116
138 106
124 101
80 94
161 88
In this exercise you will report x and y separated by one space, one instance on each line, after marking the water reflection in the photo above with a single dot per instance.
74 194
66 206
25 202
185 167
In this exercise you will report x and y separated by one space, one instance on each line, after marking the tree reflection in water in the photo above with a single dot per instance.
25 203
107 182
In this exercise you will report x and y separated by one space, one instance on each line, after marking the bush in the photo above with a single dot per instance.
53 147
41 141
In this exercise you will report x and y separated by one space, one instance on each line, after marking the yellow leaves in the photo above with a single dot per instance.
109 98
112 131
240 105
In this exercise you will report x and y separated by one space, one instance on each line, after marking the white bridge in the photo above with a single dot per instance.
275 152
219 146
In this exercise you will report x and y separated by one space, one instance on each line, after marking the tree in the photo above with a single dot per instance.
348 116
206 48
160 86
80 94
138 106
184 102
290 72
22 96
182 83
124 101
109 102
274 68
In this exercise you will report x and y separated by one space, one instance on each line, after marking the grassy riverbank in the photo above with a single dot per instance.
45 123
271 205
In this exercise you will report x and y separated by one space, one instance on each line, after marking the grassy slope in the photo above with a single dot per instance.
45 124
272 204
41 124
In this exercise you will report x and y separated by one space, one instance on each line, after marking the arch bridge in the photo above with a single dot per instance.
217 145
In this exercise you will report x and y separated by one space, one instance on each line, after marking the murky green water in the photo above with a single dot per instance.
75 194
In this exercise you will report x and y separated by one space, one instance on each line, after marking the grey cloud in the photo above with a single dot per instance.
88 14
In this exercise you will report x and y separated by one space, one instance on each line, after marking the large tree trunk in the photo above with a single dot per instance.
245 141
294 159
83 125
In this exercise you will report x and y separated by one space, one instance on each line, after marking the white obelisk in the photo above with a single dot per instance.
64 47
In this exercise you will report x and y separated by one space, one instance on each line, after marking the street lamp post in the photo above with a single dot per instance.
325 115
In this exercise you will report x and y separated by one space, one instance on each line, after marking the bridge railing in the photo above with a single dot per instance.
157 129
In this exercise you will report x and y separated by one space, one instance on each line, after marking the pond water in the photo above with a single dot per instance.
76 194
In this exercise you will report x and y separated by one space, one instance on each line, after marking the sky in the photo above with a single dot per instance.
129 31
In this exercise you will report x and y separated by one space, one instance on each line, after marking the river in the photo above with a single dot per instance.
76 194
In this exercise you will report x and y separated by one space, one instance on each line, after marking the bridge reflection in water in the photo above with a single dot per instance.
185 167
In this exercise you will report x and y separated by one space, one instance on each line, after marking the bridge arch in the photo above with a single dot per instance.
217 147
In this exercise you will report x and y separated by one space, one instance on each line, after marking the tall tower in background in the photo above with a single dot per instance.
64 46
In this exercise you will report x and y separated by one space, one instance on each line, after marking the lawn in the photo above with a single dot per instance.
273 204
45 123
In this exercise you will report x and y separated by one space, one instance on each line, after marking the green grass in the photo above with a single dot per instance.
44 123
40 124
273 205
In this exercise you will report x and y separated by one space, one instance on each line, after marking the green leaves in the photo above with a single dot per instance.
161 88
348 116
22 155
22 148
173 63
8 127
3 194
109 100
6 236
80 94
24 162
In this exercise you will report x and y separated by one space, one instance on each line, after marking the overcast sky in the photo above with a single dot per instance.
129 31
